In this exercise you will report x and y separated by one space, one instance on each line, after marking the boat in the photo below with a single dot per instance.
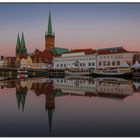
76 72
120 72
22 73
3 78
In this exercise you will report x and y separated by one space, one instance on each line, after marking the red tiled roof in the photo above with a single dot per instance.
87 51
112 51
42 56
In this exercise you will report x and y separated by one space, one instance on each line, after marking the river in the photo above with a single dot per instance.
70 107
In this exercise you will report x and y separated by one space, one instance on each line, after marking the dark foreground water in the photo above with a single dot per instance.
70 107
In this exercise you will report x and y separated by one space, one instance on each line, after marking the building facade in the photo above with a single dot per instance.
95 59
113 58
81 59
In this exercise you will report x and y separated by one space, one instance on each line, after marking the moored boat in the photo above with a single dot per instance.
22 73
78 72
121 72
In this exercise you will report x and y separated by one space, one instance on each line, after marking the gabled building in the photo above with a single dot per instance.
114 57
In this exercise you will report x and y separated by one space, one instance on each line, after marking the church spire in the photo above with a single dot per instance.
18 44
49 33
50 115
22 41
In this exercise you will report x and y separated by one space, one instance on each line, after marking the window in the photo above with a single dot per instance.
80 64
118 63
104 63
84 64
64 65
113 63
61 65
108 63
100 63
89 64
92 63
57 65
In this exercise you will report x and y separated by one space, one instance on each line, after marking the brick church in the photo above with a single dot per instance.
38 56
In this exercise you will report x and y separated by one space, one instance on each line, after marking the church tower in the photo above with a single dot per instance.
21 50
18 46
49 36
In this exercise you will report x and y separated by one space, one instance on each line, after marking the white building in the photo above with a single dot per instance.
104 87
114 58
83 58
95 59
2 62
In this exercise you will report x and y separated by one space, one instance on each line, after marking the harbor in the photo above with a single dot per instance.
22 73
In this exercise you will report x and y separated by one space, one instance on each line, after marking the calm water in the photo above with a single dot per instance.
70 107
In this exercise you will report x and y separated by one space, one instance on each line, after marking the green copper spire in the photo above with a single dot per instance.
18 44
23 98
49 25
18 99
22 41
50 115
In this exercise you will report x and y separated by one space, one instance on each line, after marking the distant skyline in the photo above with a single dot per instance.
85 25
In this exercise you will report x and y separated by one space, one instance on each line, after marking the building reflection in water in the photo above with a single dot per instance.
103 87
21 93
46 88
113 88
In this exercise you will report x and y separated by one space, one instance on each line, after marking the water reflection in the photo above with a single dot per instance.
111 88
103 87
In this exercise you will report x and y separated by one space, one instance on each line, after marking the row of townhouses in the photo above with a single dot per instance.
95 59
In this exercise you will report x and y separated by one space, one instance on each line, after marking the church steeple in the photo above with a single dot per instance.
49 33
22 41
21 50
18 45
50 115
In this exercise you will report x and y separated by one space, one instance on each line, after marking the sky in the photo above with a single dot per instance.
83 25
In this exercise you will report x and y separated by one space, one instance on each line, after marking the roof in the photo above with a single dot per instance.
58 51
111 50
42 56
87 51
